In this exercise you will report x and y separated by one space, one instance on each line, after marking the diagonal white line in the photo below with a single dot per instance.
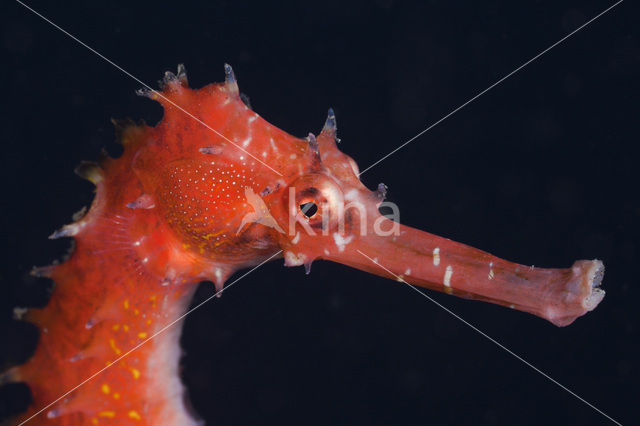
147 86
501 346
162 330
493 85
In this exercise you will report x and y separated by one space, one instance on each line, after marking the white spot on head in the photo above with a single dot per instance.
293 156
407 272
447 276
351 195
52 414
326 252
436 256
218 272
292 259
341 241
273 145
296 238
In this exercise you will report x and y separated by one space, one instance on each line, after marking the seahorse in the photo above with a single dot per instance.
213 189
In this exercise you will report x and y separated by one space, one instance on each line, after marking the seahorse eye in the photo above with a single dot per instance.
309 209
318 199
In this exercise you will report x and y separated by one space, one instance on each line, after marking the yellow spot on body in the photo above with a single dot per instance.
109 414
153 298
148 322
126 303
209 236
125 327
134 415
112 343
116 395
105 389
185 246
94 421
135 372
142 335
115 327
136 312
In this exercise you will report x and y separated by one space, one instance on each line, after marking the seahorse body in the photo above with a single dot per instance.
211 189
164 218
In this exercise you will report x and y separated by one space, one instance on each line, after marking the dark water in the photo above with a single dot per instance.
542 169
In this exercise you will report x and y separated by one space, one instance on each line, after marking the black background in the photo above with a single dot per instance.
542 169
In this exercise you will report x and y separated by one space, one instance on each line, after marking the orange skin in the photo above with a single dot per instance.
199 197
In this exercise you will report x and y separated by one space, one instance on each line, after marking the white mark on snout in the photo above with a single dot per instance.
447 276
436 256
341 241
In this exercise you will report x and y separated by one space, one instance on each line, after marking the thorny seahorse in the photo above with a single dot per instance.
208 191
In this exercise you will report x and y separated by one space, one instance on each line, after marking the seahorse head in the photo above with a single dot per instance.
234 188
